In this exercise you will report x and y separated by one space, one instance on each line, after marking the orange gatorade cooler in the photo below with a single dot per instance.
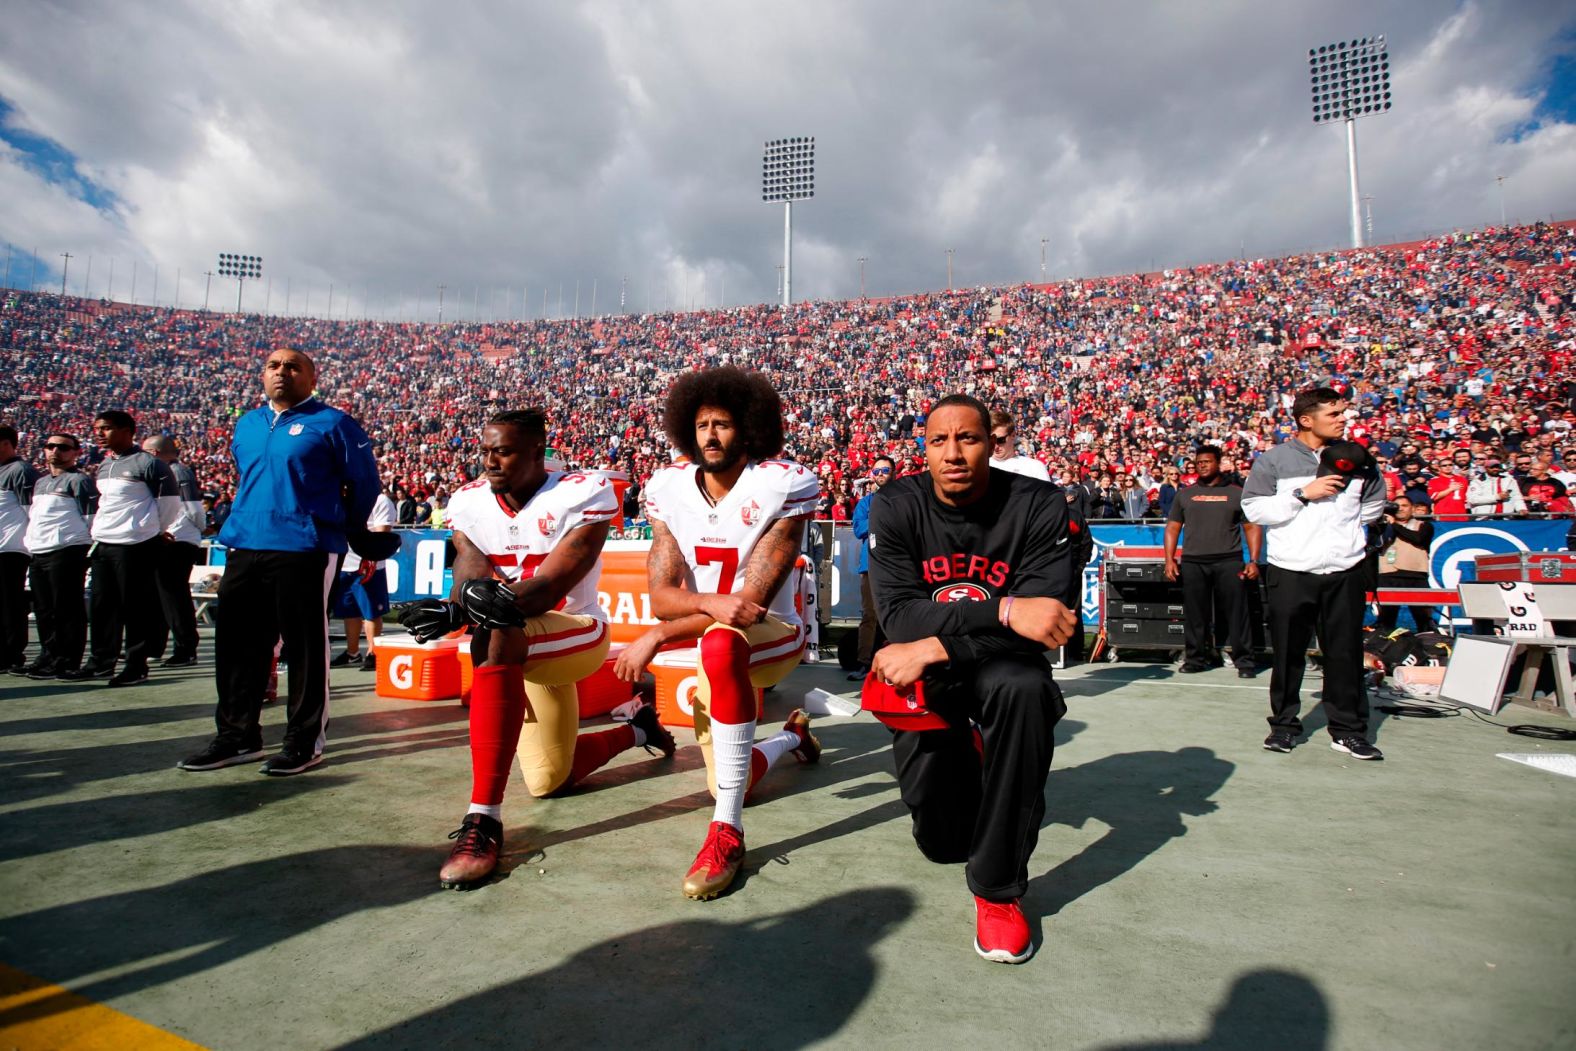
417 671
677 681
601 692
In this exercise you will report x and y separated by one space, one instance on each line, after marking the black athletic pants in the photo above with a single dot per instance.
13 607
1212 595
1422 616
58 579
263 596
1331 604
989 813
125 600
871 637
174 575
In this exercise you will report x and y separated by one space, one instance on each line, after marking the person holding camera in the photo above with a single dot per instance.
1315 496
1403 542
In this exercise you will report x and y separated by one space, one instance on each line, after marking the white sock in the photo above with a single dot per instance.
492 810
730 751
640 736
774 747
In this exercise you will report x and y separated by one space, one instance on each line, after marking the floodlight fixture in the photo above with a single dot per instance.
788 175
1350 79
242 268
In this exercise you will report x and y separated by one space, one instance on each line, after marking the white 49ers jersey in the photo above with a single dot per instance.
717 541
517 542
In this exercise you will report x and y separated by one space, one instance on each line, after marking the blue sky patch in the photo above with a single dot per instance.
51 161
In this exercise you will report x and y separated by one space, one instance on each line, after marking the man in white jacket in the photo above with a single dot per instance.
1493 492
1315 496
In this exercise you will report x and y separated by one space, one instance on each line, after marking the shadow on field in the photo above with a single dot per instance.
1267 1008
39 830
213 918
811 968
1141 796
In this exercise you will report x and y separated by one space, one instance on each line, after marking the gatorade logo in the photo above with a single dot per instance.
685 695
402 671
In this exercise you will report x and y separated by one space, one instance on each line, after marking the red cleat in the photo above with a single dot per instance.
717 863
1001 934
475 854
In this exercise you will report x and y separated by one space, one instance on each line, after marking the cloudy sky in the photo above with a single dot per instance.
507 149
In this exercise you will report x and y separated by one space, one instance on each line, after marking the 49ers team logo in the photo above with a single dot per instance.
750 513
547 524
961 593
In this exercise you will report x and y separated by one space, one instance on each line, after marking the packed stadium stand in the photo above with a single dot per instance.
1463 338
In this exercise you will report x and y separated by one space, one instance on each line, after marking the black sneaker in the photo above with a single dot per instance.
219 754
344 660
129 676
1246 671
369 663
22 667
82 674
1356 747
179 660
1280 741
657 736
43 670
1191 668
289 761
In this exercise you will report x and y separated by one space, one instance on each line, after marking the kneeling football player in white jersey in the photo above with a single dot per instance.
528 545
726 531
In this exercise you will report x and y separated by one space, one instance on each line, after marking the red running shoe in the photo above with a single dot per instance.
475 854
1001 934
809 749
716 864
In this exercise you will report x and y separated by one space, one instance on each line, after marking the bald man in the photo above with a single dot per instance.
305 475
181 551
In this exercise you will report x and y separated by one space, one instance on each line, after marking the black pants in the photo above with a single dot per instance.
1213 604
989 813
125 600
871 637
263 596
1422 616
1073 651
58 579
13 607
1331 604
174 575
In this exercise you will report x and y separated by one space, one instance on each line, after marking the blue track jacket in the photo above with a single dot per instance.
302 475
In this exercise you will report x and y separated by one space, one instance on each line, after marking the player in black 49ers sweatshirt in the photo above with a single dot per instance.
968 566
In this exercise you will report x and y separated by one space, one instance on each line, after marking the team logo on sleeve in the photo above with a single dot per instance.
548 525
961 593
750 513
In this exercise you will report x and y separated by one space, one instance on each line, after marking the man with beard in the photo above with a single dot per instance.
727 527
528 553
1211 568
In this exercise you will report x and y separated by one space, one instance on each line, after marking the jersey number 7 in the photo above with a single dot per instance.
727 557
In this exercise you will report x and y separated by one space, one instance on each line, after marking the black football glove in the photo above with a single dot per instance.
488 603
430 618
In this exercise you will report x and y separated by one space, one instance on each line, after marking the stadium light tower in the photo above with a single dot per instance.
788 175
240 267
1351 79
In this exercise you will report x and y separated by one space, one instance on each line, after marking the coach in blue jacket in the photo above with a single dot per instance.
305 471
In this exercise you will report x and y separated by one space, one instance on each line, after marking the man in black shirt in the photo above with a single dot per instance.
968 567
1212 570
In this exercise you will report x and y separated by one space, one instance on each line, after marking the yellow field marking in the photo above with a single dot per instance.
37 1016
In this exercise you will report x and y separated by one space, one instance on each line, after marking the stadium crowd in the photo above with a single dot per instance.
1455 352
